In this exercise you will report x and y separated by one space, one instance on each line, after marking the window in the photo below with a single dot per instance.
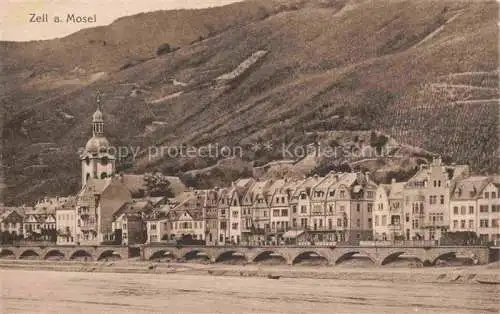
455 224
235 226
358 207
276 213
462 210
223 225
370 194
486 195
415 223
284 212
462 224
342 194
471 209
441 199
432 199
339 222
331 193
235 214
384 220
493 195
455 210
358 223
282 199
370 207
303 196
471 224
376 221
303 209
495 208
483 208
330 208
294 209
370 223
494 223
330 225
483 223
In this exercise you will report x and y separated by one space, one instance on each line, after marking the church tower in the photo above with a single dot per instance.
97 162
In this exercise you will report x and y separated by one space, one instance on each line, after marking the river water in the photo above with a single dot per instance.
77 292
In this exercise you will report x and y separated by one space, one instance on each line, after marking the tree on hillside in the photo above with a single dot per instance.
163 49
157 185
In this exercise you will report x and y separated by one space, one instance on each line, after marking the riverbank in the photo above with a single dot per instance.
452 275
26 292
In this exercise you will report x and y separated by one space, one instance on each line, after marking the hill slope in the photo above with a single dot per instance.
423 72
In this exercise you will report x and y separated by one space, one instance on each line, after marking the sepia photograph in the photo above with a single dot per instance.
250 156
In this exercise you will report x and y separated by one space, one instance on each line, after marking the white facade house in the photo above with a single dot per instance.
66 226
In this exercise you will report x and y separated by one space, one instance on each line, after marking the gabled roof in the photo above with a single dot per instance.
307 184
6 215
134 207
136 183
470 188
396 190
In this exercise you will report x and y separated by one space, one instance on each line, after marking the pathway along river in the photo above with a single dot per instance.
77 292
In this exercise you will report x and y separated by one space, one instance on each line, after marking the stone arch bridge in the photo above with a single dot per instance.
81 252
333 255
290 254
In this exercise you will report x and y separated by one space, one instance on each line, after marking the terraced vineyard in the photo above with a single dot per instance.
461 114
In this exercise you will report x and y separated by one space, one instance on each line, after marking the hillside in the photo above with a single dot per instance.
423 72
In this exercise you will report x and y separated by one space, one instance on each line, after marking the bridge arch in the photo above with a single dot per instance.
268 254
195 254
106 254
162 254
391 257
29 254
467 255
80 254
347 255
6 253
309 255
54 254
230 255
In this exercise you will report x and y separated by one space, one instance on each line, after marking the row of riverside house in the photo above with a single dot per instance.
340 207
112 208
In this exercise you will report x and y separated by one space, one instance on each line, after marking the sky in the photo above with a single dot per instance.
15 15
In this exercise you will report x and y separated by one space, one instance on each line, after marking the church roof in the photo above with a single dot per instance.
135 182
97 116
97 144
